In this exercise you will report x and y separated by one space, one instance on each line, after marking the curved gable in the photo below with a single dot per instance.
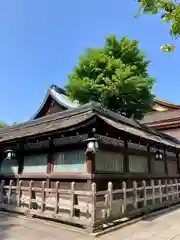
55 100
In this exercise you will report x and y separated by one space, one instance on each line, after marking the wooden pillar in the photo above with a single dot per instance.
50 160
165 162
149 160
90 168
90 162
21 158
1 157
178 163
126 156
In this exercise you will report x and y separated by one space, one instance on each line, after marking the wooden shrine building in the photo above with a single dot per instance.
85 144
164 117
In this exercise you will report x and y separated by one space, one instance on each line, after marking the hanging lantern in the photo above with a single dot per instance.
9 154
92 145
158 155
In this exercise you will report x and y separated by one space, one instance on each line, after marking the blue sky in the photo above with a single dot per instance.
40 41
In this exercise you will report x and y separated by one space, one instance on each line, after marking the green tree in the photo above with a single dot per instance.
115 75
3 125
169 12
14 124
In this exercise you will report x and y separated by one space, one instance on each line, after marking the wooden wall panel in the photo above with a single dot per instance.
9 166
138 164
70 161
158 166
109 161
35 164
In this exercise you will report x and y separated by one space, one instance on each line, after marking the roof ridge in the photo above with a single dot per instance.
53 117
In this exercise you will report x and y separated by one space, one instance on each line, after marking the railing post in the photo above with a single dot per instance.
2 191
153 192
110 198
56 210
172 188
30 194
135 194
166 189
176 187
43 196
72 199
93 212
160 190
19 194
124 196
144 194
10 191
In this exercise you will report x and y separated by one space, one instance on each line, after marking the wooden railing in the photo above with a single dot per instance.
89 209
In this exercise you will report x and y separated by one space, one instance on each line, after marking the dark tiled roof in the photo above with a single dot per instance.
60 97
69 119
157 117
167 104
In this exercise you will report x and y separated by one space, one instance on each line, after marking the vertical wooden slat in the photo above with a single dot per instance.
135 194
19 194
110 197
165 162
30 194
126 157
90 162
166 189
124 197
153 192
10 191
21 158
43 196
93 211
178 163
172 188
56 210
160 191
149 160
144 193
2 191
176 187
72 199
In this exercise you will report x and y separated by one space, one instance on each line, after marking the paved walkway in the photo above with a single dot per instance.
22 228
162 227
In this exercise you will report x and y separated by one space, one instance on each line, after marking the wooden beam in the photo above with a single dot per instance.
149 160
165 162
178 162
126 156
50 158
90 163
21 158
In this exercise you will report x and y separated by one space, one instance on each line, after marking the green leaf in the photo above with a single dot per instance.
115 75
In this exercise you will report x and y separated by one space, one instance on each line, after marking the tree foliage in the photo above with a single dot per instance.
169 12
3 125
14 124
115 75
